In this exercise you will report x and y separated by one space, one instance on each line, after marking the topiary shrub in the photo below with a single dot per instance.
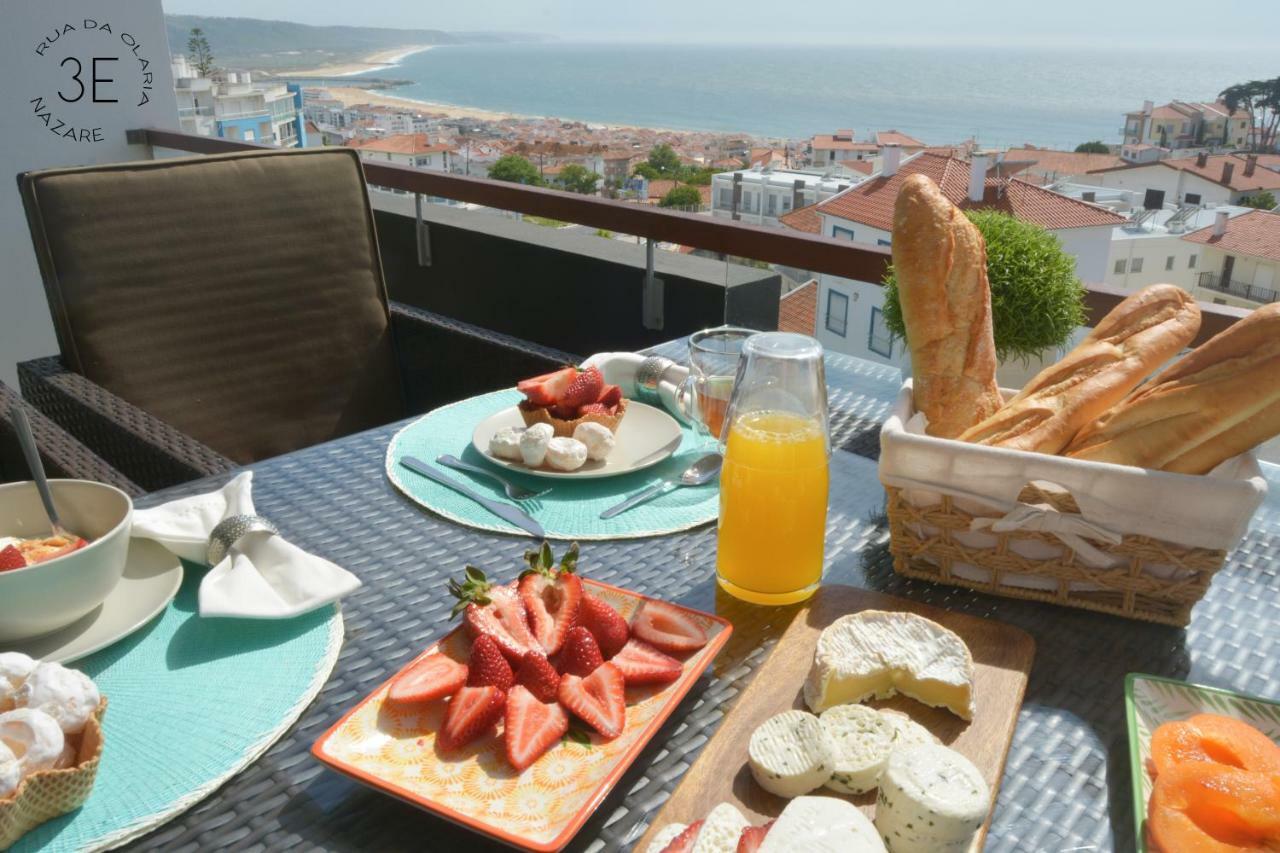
1036 299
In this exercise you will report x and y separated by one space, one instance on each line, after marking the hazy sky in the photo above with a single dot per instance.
1181 25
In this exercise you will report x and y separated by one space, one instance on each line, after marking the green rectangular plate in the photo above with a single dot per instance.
1151 700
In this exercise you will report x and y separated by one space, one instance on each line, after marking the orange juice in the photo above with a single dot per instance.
773 508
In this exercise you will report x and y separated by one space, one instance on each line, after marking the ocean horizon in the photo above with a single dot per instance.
1054 97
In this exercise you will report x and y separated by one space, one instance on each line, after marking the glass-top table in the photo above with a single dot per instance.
1066 784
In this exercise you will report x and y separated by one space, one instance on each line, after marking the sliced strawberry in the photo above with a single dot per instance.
11 558
493 610
487 665
605 624
595 409
667 628
585 388
531 726
564 413
600 699
431 678
552 595
641 663
752 837
610 396
471 712
580 655
537 674
546 389
683 843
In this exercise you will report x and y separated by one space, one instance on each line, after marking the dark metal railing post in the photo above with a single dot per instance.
653 293
423 236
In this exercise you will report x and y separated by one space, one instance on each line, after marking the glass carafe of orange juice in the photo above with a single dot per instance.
773 486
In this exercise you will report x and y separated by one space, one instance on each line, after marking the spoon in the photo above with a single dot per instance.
32 454
703 470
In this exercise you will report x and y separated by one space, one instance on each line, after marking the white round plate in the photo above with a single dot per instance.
151 579
646 436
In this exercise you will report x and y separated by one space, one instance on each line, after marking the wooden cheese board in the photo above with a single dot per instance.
1002 656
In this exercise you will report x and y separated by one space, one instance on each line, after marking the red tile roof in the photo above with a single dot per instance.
1055 164
1261 179
893 137
828 142
798 310
861 166
871 202
1256 234
404 143
658 189
803 219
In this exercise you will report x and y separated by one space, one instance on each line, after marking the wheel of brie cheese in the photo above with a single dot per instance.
875 653
790 754
932 800
861 740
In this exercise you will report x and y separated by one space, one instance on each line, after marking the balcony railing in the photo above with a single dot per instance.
779 246
1254 293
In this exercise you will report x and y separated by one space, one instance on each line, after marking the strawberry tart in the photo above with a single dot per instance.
568 398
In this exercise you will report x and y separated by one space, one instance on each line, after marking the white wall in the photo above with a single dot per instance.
1091 248
30 72
1174 182
1155 252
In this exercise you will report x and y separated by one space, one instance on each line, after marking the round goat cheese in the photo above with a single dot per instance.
822 825
932 800
861 740
790 754
906 731
721 830
665 836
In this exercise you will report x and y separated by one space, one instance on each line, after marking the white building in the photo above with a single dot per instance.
1240 262
762 196
1150 249
828 148
232 106
1199 180
1187 124
408 149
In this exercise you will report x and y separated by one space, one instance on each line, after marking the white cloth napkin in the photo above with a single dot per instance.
262 577
619 368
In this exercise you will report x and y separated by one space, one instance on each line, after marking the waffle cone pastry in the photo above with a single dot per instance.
542 415
583 395
46 794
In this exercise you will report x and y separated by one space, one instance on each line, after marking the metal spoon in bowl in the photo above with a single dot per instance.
32 453
703 470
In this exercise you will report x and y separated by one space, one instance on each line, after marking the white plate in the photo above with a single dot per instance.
151 579
646 436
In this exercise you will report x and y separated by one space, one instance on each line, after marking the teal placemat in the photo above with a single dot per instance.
572 508
191 702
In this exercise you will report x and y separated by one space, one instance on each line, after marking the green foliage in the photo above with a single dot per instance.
681 196
605 233
664 161
1097 146
1261 100
578 179
647 172
1262 200
516 169
199 53
696 176
1036 299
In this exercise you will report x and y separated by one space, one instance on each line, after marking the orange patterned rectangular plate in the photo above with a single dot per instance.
540 809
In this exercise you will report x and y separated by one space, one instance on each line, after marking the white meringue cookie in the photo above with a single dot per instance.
533 444
566 454
68 757
14 669
10 771
34 738
597 437
67 695
505 444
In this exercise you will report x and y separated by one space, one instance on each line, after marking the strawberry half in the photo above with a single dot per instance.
683 843
610 396
599 700
667 628
585 388
496 611
552 595
531 726
539 676
595 409
605 624
546 389
11 558
580 655
487 665
472 712
431 678
752 837
641 663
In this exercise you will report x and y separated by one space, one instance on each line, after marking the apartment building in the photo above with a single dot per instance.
1199 180
232 106
827 148
1240 263
1186 124
408 149
1151 248
764 196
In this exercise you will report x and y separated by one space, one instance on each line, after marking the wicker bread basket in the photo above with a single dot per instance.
1110 538
48 793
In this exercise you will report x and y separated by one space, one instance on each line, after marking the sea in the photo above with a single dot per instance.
999 96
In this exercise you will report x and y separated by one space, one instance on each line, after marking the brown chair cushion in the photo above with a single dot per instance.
238 297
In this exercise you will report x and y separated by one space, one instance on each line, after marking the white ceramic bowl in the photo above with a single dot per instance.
51 595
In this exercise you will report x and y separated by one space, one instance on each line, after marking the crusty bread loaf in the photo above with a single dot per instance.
1220 400
940 261
1128 345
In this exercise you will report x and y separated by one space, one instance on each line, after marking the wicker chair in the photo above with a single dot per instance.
61 454
212 311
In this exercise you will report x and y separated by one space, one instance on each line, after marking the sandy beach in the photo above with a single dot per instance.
351 95
383 59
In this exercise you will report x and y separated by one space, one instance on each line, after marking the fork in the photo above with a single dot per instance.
516 493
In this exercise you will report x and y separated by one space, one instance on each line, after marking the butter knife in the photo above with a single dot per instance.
506 512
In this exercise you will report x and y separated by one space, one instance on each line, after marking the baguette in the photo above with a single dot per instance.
1128 345
940 261
1218 401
